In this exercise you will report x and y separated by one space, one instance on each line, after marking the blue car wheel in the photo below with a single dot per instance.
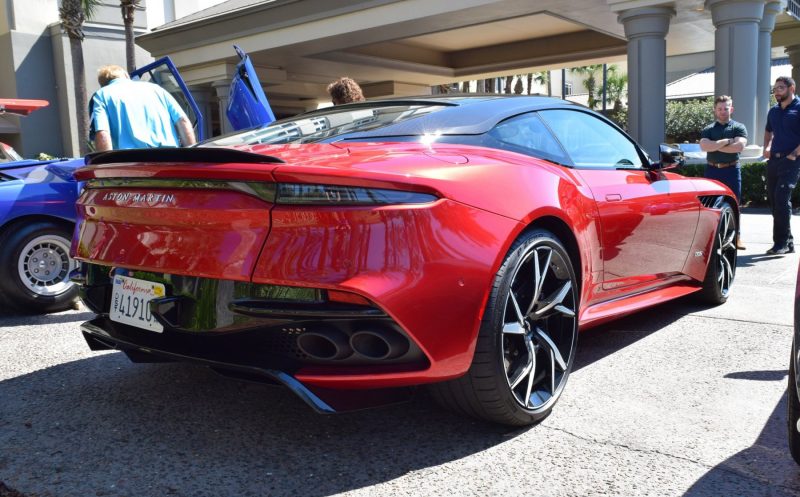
35 266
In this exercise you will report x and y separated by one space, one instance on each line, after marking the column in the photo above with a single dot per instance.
646 30
793 52
736 54
223 89
764 71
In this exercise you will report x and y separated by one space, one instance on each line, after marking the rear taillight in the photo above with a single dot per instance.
306 194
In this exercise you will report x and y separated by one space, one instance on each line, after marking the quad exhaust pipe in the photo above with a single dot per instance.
379 345
335 345
327 345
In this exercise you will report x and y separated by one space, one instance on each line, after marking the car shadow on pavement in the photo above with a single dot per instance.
11 319
105 426
767 463
596 343
750 260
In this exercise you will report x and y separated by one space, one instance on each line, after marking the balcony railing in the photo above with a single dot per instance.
793 8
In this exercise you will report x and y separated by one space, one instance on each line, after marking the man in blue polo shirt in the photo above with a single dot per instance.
136 114
781 148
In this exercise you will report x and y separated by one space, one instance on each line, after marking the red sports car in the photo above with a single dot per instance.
456 241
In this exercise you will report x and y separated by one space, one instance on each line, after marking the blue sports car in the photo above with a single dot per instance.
37 216
37 198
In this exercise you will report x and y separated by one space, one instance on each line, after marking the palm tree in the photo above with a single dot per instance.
128 10
590 83
509 84
543 78
616 84
73 13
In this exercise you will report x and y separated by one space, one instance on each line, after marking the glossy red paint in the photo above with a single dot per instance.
429 266
216 234
405 259
647 224
21 106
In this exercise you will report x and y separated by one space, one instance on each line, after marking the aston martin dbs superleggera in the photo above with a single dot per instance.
455 241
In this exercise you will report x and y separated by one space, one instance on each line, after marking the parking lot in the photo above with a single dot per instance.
678 400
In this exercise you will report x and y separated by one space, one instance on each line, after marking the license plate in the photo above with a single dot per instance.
129 302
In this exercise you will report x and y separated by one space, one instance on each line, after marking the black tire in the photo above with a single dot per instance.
793 409
722 260
35 266
506 383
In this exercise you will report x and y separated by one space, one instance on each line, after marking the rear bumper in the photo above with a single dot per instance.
100 334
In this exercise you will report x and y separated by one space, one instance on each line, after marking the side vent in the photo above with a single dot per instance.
711 201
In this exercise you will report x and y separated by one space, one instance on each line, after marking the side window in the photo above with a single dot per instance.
591 142
528 135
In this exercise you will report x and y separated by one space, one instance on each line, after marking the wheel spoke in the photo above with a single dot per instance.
548 343
532 372
520 317
513 328
539 277
725 223
554 303
727 269
727 235
523 373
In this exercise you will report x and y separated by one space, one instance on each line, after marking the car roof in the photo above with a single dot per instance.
461 114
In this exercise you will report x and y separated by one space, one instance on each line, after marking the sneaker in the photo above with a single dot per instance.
739 244
781 250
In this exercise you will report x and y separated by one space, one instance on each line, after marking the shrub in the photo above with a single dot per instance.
620 117
685 119
754 182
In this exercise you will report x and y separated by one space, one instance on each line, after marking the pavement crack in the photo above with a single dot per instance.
720 318
718 467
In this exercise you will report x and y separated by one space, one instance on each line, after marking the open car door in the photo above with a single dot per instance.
247 103
164 73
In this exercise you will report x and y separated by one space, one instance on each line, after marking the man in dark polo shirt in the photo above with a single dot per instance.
781 148
722 141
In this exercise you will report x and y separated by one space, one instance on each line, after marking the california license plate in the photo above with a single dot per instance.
130 298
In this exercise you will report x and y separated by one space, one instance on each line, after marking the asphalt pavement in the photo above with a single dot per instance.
677 400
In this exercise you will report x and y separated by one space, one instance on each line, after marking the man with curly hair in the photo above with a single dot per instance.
345 90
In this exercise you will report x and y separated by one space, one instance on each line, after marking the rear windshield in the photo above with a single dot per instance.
326 125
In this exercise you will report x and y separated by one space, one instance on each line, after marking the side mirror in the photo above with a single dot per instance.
670 158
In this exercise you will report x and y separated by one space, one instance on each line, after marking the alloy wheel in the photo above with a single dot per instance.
539 330
44 265
726 252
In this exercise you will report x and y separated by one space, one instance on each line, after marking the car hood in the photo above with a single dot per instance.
28 169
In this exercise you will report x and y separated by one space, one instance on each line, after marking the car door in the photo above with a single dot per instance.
247 103
647 219
164 73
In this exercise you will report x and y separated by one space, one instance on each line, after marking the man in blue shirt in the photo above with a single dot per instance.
781 148
136 114
722 141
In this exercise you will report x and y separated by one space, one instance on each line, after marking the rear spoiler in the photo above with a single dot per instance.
192 154
20 106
